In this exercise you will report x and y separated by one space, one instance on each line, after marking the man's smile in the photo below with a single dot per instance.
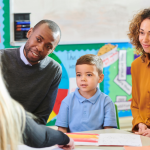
36 55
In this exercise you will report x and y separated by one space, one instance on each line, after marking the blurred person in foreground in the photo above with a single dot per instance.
17 126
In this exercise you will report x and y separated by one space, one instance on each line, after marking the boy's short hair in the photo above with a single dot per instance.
91 59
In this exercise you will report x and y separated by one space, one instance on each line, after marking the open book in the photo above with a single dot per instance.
107 139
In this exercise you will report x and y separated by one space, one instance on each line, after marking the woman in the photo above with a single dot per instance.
139 34
17 126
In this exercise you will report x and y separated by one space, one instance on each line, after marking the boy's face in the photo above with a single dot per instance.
87 78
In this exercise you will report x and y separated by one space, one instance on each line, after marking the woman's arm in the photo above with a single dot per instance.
39 136
135 103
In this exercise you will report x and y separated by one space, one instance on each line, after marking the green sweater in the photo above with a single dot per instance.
35 87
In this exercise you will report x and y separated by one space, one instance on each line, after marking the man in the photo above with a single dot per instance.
31 76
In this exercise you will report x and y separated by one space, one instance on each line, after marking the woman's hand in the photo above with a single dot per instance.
69 146
142 127
144 133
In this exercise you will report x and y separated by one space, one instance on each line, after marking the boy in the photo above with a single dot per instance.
87 108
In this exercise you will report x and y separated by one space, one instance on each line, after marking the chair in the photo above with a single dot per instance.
117 117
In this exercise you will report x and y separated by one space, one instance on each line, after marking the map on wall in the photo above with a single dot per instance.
117 59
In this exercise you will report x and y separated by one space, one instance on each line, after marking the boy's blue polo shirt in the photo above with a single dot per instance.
81 114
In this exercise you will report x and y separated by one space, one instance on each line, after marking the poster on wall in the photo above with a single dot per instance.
117 59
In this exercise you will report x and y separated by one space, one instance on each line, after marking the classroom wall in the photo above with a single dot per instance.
84 20
86 27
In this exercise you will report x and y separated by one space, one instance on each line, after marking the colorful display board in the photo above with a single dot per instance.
62 92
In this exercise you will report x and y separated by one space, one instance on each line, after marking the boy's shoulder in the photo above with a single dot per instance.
68 98
103 94
105 97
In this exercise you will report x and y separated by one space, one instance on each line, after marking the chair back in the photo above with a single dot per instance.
117 117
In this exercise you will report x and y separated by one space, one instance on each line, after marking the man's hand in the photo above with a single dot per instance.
142 127
144 133
69 146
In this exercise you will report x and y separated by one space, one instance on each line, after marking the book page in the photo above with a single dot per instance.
119 139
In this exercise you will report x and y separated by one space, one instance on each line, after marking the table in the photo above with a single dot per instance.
145 140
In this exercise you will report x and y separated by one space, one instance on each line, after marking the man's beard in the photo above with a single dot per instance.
27 50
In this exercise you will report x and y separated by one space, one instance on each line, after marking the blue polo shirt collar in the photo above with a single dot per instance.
93 99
